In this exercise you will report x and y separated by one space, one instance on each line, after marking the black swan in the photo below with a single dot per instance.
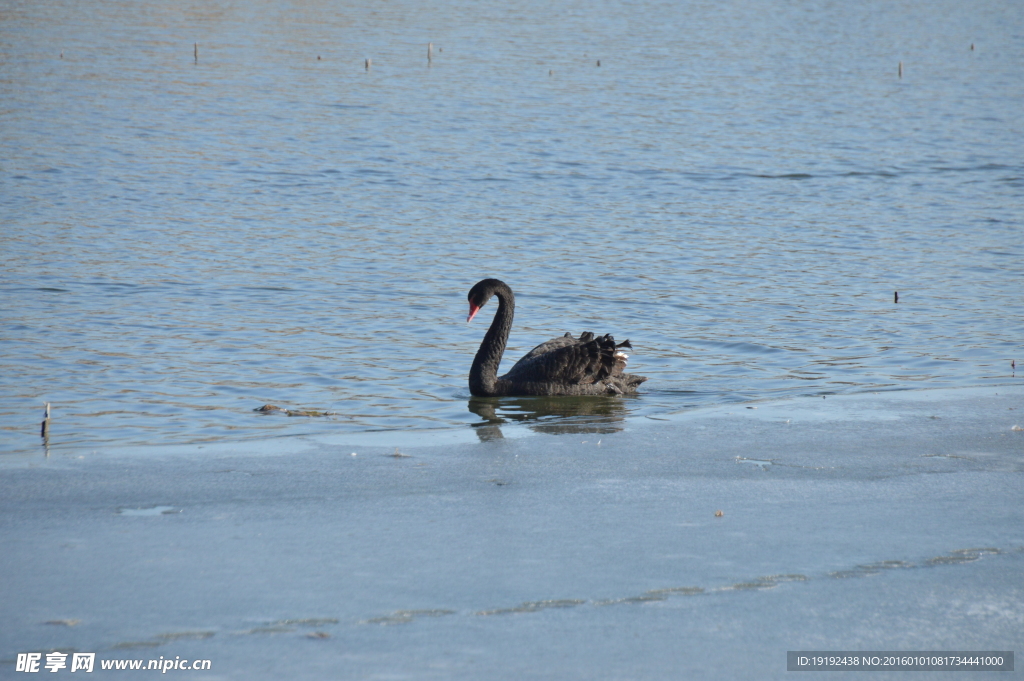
588 365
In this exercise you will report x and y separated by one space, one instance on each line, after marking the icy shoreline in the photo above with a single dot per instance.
889 521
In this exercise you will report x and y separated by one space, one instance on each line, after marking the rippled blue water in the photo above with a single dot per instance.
737 187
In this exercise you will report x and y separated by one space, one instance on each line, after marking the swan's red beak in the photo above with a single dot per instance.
473 309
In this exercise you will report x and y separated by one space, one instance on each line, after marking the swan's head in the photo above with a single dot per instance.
480 294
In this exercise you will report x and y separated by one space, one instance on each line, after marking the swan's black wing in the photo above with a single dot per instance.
567 361
551 346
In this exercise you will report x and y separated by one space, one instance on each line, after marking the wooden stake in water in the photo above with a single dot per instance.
430 52
369 62
901 69
44 429
896 297
195 51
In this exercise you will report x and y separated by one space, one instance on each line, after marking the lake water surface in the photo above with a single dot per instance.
737 187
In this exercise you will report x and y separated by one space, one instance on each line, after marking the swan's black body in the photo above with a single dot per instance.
588 365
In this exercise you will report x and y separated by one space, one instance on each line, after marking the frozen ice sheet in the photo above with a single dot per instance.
869 522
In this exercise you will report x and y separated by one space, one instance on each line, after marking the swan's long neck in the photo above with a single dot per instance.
483 376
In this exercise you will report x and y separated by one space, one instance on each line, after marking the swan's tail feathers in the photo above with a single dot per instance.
612 362
626 383
633 381
586 336
597 360
616 371
620 362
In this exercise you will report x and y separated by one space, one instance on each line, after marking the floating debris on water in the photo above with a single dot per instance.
273 408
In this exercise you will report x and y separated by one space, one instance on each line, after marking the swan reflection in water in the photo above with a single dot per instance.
553 415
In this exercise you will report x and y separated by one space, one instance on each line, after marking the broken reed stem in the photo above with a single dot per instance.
44 428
